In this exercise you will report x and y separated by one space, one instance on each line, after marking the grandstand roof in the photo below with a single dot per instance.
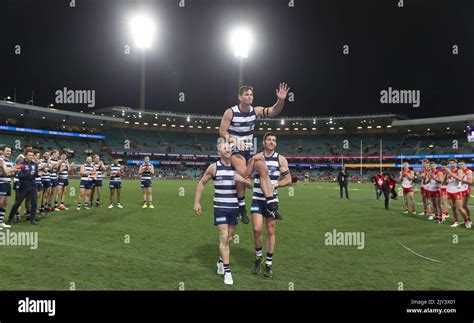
435 126
12 109
138 119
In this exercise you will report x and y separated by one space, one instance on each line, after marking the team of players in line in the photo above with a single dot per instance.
41 181
449 185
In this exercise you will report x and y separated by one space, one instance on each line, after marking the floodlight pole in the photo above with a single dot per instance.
142 80
241 71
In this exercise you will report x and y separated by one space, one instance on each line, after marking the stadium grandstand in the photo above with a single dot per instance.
182 145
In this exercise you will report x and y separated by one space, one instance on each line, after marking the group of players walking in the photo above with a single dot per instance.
231 175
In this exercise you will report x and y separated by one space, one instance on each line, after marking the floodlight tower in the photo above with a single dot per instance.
143 30
241 40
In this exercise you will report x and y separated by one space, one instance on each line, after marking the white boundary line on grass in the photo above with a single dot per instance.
418 253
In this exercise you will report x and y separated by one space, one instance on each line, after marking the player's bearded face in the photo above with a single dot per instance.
246 98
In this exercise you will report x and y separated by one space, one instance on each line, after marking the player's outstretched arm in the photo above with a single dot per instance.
468 179
440 177
3 169
285 176
246 181
458 175
210 171
83 171
225 124
274 110
224 130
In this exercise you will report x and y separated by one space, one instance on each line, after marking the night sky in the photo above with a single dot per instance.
405 48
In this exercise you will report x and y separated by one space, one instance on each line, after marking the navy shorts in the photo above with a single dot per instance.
16 185
63 182
46 184
39 186
259 206
115 184
145 183
226 216
246 153
5 189
54 182
97 182
85 184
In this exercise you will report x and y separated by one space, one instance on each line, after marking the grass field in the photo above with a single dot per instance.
170 245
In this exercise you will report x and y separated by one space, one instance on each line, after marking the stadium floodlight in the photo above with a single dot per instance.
143 30
241 40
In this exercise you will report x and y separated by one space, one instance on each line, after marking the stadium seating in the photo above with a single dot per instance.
291 145
204 143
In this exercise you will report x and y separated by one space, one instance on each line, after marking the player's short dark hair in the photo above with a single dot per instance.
444 163
268 134
425 161
36 151
29 151
244 89
4 147
452 159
